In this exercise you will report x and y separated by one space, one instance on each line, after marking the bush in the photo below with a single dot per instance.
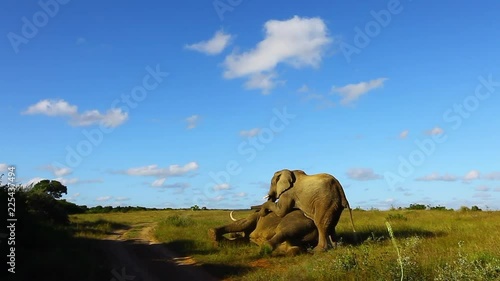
417 207
179 221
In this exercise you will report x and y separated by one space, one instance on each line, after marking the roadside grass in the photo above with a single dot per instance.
433 244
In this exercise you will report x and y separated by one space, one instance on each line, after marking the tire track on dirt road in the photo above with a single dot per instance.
145 259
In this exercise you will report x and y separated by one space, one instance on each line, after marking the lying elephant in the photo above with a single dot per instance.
291 234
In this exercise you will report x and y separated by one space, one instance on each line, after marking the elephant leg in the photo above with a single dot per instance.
325 222
331 228
246 225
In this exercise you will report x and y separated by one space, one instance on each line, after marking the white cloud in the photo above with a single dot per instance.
250 133
213 46
353 92
435 131
222 186
437 177
103 198
67 182
159 182
112 118
155 171
472 175
263 81
404 134
121 198
240 194
298 42
73 197
58 171
52 108
3 167
362 174
192 121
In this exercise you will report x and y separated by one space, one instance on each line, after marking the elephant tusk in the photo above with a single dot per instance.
266 197
231 216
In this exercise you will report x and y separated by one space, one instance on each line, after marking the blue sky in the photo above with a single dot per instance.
171 104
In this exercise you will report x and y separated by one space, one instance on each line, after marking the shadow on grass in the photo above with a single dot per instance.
187 247
381 234
98 227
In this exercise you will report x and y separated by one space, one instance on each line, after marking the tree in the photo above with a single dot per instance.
195 208
51 187
475 208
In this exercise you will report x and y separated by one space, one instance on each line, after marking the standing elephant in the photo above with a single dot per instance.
320 197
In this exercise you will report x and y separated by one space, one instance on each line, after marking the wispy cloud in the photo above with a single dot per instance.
58 171
3 167
303 89
222 186
103 198
404 134
192 121
482 188
362 174
435 131
250 133
437 177
112 118
156 171
492 176
299 42
472 175
162 174
352 92
214 45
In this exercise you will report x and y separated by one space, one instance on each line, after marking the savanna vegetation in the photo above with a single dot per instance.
428 245
55 239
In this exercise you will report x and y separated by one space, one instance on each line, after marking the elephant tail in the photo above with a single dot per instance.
345 204
352 221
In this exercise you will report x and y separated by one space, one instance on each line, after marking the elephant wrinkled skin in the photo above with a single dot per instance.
321 197
291 234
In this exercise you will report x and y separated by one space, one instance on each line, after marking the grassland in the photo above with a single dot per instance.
433 245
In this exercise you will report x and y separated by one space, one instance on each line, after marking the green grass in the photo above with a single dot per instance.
433 245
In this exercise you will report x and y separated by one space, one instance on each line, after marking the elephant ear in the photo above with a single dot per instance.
284 181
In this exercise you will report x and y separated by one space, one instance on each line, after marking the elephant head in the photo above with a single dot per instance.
281 182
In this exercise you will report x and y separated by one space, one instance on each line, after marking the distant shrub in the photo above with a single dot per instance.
438 208
475 208
417 207
464 209
179 221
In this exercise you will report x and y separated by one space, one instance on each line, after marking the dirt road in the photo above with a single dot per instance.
144 259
